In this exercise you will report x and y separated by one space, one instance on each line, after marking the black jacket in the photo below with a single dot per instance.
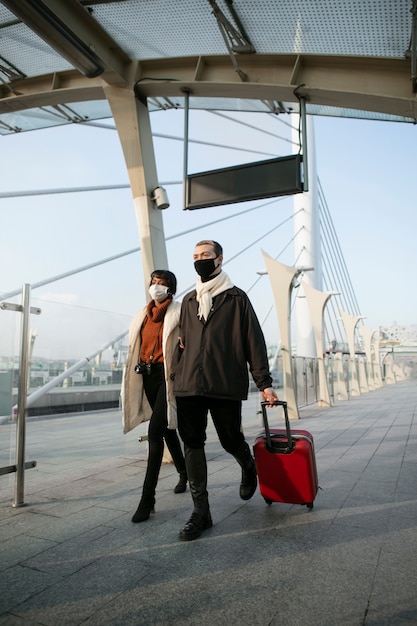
216 354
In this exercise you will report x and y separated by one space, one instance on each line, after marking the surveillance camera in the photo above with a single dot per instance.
160 197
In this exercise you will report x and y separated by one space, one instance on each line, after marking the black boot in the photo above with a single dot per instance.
174 447
145 508
200 520
249 479
182 483
147 501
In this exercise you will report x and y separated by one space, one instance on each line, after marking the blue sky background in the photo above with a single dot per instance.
367 171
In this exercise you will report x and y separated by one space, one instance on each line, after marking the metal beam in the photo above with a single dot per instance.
82 22
9 469
382 85
362 83
50 89
234 35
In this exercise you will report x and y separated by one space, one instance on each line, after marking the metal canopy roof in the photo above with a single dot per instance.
354 58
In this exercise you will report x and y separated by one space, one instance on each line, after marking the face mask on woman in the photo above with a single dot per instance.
159 293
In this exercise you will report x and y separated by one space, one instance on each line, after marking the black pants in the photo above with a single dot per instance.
155 389
226 416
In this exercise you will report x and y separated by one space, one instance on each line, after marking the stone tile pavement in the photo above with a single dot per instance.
72 556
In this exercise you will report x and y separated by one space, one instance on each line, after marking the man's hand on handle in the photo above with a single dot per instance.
269 395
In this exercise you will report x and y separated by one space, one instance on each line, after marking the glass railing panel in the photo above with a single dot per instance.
330 375
9 361
298 364
277 374
77 356
83 351
311 379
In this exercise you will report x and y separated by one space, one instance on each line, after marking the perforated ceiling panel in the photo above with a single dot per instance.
158 29
348 27
153 28
27 52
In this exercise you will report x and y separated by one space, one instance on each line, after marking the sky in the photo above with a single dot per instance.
367 171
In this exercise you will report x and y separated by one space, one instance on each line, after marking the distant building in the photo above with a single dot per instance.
401 335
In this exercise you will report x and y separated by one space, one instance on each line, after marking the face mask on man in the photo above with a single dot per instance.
159 293
205 267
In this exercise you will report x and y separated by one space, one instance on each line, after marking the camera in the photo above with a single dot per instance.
143 368
160 197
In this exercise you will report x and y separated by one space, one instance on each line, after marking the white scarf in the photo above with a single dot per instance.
208 290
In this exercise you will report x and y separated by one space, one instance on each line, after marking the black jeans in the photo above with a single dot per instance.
154 386
155 389
226 416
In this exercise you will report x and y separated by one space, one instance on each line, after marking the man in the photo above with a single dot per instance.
219 336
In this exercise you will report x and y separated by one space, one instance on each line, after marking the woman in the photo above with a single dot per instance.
147 388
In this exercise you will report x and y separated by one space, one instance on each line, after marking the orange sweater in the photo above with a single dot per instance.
151 332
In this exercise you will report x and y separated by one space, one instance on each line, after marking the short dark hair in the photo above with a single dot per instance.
209 242
168 277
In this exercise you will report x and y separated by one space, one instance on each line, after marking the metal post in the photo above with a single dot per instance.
303 116
21 399
305 380
186 130
413 46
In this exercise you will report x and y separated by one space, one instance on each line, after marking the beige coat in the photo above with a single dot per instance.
135 406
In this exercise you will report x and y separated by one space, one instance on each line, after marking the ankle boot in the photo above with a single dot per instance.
145 508
200 520
147 501
182 483
249 478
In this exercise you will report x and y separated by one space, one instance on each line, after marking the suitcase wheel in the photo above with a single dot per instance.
268 501
310 505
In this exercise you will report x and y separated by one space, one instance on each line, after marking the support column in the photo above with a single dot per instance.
390 378
282 278
317 301
349 322
307 251
377 361
363 382
341 392
399 372
133 126
367 334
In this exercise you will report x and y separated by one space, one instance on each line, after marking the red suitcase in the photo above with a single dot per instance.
285 462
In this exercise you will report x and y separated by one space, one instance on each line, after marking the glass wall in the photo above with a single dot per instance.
9 360
76 358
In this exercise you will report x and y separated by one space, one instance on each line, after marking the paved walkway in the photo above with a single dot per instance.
72 556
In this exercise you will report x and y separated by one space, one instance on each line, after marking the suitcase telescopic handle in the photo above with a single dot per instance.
287 422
